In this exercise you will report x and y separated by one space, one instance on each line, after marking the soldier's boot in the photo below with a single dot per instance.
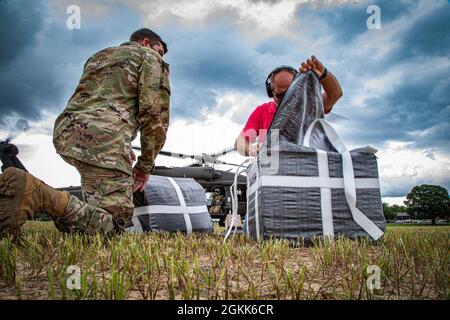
21 196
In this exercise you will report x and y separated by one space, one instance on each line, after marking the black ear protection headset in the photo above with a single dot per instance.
277 69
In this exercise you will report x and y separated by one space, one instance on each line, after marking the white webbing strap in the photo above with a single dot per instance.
234 200
325 195
136 227
168 209
310 182
349 179
252 166
258 185
184 210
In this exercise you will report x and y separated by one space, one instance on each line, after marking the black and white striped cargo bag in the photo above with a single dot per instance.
171 204
305 183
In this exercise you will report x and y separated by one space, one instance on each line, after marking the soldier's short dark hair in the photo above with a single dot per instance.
143 33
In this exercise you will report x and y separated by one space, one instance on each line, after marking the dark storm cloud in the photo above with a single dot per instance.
428 36
19 25
210 59
399 187
41 63
346 21
22 125
414 108
205 62
11 128
425 33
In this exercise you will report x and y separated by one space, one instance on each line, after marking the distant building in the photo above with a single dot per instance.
403 216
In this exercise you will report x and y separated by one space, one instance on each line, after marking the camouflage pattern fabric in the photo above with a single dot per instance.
216 205
85 218
108 201
122 90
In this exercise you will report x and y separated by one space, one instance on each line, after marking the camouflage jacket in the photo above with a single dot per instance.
123 90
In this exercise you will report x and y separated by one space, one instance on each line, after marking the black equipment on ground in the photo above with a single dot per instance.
8 156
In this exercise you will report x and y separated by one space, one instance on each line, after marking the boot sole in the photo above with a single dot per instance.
12 188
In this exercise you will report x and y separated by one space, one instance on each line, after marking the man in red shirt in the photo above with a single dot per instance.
277 84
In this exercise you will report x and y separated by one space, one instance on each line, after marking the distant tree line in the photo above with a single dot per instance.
422 202
390 212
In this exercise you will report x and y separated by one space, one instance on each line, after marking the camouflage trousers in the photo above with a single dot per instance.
107 205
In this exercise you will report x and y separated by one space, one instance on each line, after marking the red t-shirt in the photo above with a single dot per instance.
259 122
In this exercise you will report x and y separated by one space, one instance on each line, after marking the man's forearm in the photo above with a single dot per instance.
242 146
332 91
245 148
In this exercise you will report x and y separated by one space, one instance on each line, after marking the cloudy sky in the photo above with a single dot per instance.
396 79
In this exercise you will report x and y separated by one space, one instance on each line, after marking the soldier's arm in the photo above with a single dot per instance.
153 116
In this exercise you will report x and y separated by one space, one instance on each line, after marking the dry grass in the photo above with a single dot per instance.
414 264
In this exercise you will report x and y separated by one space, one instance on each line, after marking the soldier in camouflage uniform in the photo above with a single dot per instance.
217 201
123 90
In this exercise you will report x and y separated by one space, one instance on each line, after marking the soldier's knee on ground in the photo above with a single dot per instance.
108 201
84 218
